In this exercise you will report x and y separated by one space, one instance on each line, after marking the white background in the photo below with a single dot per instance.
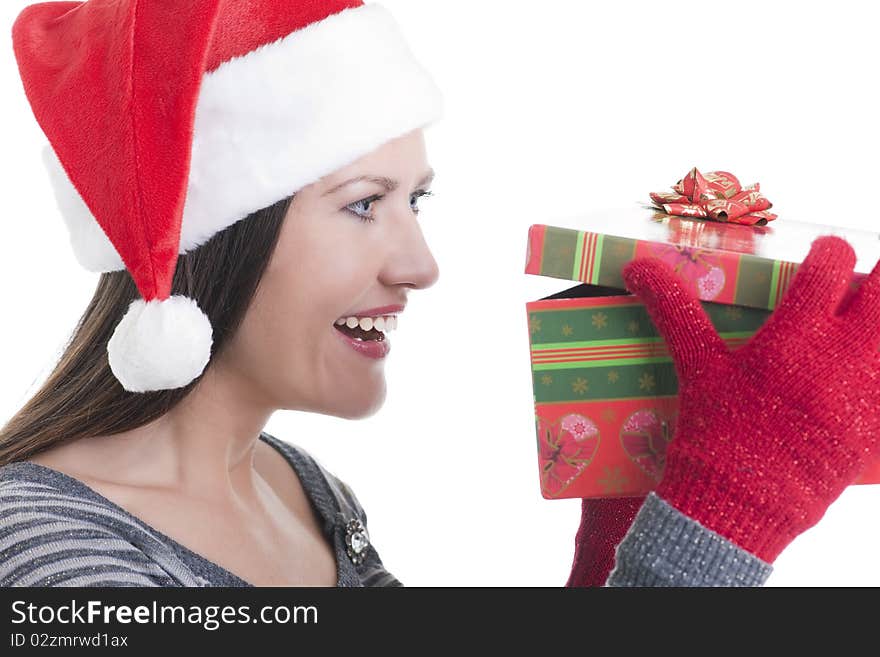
554 109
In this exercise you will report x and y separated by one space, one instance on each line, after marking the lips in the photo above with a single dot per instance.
376 312
364 330
374 349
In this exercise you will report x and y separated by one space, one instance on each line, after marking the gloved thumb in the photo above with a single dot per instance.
676 313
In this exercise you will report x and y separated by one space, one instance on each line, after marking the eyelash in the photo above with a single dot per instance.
368 216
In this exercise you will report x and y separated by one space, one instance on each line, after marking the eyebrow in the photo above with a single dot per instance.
388 183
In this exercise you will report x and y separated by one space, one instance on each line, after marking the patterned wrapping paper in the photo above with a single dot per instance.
726 263
605 389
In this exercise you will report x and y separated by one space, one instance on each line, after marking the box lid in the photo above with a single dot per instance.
722 262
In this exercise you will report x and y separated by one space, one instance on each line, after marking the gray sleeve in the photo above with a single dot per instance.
45 549
664 547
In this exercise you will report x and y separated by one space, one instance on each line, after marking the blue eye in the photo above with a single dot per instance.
414 199
364 208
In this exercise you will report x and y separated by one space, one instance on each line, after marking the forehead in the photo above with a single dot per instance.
403 159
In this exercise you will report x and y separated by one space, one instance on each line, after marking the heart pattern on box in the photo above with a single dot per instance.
644 437
565 448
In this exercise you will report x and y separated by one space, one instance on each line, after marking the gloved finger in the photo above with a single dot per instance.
820 282
863 310
689 334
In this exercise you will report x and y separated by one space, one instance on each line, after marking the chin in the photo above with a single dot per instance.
358 407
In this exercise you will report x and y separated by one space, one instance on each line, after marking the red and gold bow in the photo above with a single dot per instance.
716 195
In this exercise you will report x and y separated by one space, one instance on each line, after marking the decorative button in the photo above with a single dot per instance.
356 541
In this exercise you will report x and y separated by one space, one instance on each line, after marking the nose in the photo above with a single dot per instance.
410 261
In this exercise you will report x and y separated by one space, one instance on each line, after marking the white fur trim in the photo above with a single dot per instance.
281 117
91 246
292 111
160 345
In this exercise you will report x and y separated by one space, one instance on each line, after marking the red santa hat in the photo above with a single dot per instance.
170 121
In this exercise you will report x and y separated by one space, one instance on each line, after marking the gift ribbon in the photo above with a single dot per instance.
715 195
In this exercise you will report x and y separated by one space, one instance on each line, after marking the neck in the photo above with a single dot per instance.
204 446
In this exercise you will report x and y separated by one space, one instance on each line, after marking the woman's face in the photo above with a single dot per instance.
350 247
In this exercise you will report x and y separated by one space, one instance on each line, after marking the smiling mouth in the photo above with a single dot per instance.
366 329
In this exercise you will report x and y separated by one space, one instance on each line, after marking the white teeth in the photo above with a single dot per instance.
386 323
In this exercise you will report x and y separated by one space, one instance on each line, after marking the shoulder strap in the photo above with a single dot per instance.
338 504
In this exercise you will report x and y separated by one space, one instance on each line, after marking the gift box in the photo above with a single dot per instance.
605 388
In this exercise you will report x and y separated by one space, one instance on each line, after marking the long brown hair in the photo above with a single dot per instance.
81 398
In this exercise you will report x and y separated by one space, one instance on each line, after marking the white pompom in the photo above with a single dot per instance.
160 345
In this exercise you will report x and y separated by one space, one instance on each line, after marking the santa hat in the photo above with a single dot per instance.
170 121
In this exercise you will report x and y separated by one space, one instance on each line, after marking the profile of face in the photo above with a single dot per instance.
350 247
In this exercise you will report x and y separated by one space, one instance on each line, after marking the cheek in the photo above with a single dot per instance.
290 323
315 276
283 323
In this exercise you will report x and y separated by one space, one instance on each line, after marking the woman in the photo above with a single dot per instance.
147 432
277 147
180 462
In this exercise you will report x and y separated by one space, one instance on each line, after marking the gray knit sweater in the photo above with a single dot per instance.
56 531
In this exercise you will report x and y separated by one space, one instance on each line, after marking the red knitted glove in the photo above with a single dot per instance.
604 522
770 434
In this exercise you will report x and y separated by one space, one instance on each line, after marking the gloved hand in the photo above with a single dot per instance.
770 434
604 523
